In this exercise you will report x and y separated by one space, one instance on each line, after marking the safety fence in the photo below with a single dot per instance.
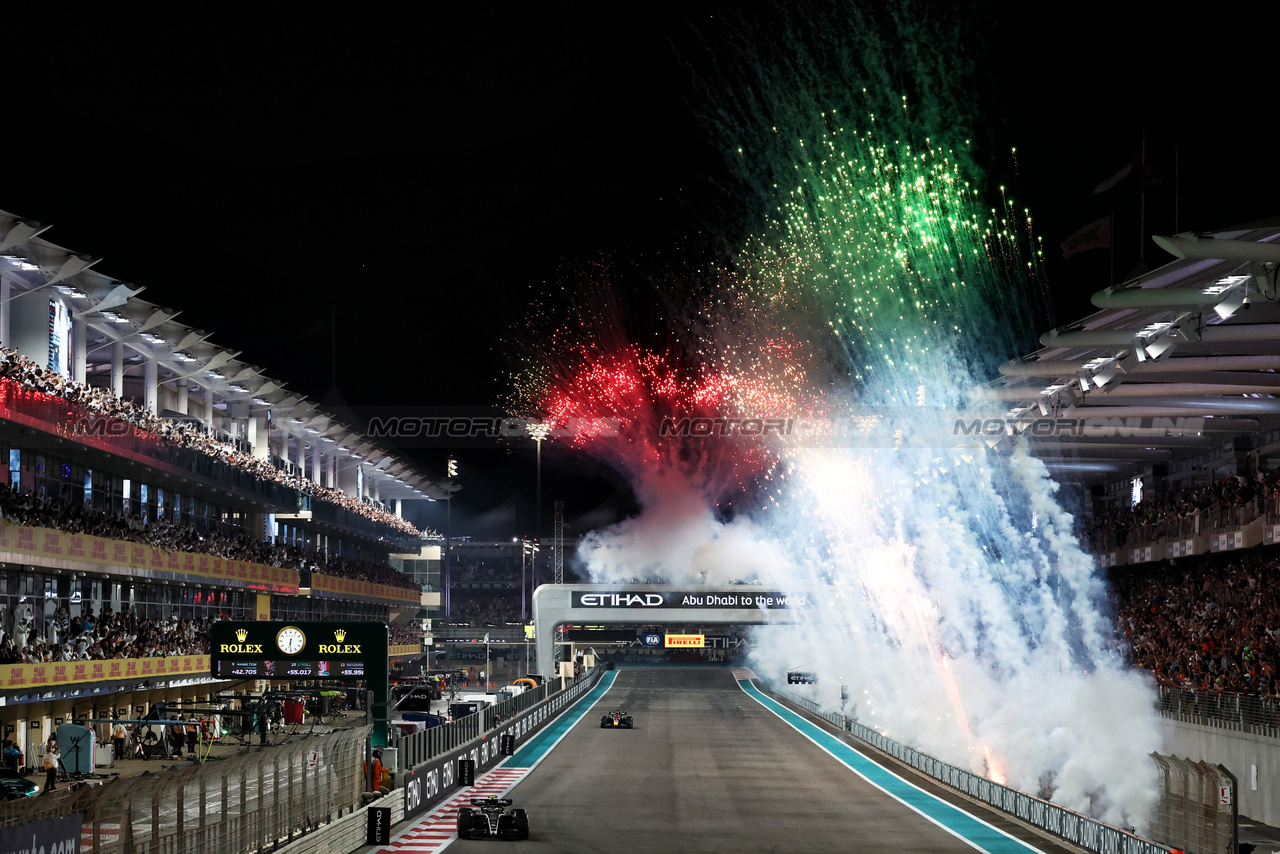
418 747
1212 520
1072 826
1197 810
1237 712
233 806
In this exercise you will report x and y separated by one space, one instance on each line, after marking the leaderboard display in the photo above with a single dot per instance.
289 670
301 650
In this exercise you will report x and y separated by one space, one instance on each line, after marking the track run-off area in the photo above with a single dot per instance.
716 765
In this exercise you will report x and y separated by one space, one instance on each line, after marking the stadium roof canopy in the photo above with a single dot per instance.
112 312
1196 340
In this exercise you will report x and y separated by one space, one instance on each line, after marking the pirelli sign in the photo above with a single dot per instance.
685 641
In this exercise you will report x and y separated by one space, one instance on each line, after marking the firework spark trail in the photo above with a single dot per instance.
727 365
943 573
876 228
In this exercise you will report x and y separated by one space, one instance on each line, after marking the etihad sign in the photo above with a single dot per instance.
622 600
686 641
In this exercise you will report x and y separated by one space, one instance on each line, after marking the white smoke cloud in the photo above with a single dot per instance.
953 603
678 539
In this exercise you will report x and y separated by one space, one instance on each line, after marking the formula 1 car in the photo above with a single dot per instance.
616 719
491 818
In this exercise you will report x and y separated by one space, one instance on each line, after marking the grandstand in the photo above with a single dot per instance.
1185 357
157 484
1169 390
1163 407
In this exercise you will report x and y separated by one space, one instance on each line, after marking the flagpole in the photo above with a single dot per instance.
1176 187
1113 244
1142 202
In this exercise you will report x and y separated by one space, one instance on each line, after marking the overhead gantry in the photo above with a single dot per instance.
654 604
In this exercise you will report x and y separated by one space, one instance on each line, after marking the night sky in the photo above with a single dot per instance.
418 181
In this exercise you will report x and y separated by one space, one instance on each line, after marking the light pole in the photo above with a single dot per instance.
528 548
539 430
451 471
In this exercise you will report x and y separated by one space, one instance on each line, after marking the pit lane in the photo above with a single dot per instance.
709 768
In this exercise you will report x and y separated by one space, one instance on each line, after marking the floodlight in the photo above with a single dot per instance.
1105 375
1159 347
1230 305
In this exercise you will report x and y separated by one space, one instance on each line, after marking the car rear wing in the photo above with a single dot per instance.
491 802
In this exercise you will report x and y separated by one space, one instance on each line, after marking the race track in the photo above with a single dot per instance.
709 768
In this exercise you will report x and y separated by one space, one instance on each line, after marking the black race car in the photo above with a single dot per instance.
616 719
490 817
15 788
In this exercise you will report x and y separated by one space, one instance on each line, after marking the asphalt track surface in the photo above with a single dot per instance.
708 768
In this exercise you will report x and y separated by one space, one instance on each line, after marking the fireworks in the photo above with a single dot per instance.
626 404
875 229
878 275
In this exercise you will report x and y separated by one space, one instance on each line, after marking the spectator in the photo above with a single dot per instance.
33 511
51 758
1175 513
100 402
176 739
119 733
12 757
1210 624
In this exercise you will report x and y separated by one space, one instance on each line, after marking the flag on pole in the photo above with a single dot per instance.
1114 180
1095 235
1136 167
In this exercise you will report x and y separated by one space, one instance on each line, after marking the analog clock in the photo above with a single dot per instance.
291 640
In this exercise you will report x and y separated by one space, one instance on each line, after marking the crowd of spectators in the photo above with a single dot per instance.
1210 624
35 511
407 632
86 637
185 433
484 572
484 609
1158 515
347 567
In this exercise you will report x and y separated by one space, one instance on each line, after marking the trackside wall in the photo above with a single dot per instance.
1254 760
436 780
346 834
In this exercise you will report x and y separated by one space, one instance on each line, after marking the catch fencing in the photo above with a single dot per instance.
1197 810
1236 712
419 747
259 799
1061 822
